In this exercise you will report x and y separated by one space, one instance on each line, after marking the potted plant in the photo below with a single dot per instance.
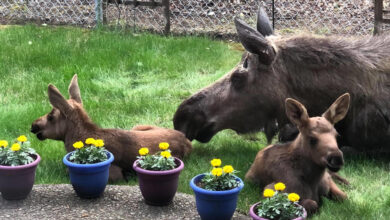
216 192
17 168
158 175
278 205
89 167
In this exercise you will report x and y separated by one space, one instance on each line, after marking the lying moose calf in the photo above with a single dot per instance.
69 122
302 163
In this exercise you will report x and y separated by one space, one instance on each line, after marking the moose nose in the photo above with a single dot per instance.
335 162
35 128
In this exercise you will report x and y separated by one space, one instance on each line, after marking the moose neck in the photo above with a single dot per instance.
79 131
311 171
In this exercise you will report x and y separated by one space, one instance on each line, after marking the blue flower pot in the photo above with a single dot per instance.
215 205
89 180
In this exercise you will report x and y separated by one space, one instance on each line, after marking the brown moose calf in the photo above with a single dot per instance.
69 122
302 163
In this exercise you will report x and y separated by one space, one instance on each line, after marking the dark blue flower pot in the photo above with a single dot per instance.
215 205
89 180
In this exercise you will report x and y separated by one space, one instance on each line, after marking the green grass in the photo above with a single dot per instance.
128 79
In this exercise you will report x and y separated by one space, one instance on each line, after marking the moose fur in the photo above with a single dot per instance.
313 69
302 164
69 122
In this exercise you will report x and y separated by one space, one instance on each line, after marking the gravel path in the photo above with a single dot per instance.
118 202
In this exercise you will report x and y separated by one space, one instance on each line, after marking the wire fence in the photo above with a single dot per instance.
347 17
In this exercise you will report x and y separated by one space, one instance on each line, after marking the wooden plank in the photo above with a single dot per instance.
138 3
167 15
378 17
104 7
386 21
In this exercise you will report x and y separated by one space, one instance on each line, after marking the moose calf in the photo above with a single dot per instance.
69 122
302 163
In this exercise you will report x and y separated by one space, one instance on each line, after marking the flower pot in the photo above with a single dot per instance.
89 180
215 204
17 182
253 213
158 187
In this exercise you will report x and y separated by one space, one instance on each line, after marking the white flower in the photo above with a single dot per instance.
29 42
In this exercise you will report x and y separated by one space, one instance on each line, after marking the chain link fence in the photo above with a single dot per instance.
347 17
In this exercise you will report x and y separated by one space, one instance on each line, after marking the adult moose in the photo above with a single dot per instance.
69 122
314 70
302 163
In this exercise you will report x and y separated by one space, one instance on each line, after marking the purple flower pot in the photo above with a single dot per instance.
158 187
253 213
17 182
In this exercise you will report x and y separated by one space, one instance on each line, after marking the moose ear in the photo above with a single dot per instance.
297 113
74 90
58 101
254 42
263 24
338 109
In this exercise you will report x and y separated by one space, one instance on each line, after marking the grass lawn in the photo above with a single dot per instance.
128 79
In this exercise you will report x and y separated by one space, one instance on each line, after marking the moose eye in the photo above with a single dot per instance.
238 80
313 141
50 117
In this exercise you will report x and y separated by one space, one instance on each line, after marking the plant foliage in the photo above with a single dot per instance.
219 179
279 205
20 153
92 152
162 160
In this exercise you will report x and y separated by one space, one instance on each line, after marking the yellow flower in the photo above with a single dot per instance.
78 145
280 186
268 193
166 154
228 169
90 141
143 151
22 138
215 162
99 143
15 147
3 143
293 197
216 171
163 145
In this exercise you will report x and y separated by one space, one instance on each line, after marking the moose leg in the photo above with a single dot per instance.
335 192
311 206
338 178
115 173
288 133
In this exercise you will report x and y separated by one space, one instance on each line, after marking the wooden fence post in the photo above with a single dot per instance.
99 12
104 11
167 15
378 16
